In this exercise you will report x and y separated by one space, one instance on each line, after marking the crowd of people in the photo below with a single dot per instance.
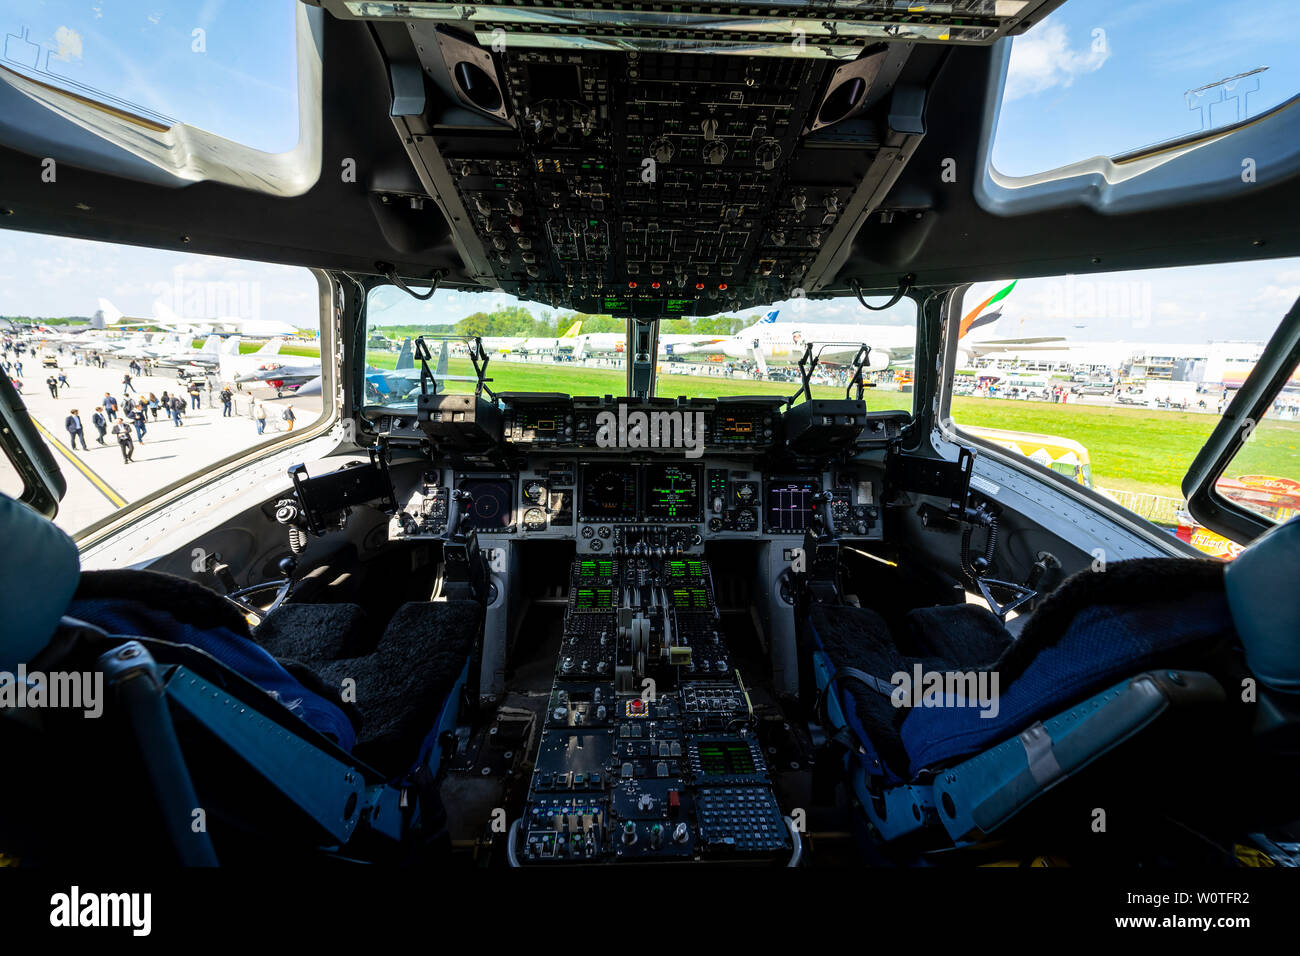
127 418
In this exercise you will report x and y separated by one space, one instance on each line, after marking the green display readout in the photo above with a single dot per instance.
646 307
725 759
685 568
596 568
592 599
695 599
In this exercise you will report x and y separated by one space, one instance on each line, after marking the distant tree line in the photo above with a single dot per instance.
518 321
47 320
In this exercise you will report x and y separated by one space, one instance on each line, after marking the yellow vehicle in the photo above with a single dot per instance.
1063 455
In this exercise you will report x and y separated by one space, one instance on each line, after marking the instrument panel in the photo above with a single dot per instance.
671 492
609 493
789 504
592 470
492 505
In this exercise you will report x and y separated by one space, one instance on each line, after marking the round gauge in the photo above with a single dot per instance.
535 519
603 531
746 519
588 531
840 509
535 491
492 502
746 492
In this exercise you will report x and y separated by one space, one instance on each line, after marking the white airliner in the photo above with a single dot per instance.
534 345
253 328
165 318
768 340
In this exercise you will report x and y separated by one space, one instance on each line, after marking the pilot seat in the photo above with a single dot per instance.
304 733
1205 650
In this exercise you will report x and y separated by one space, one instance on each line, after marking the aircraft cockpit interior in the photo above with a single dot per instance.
648 593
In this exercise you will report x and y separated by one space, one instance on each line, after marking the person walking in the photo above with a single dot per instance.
52 384
100 423
195 391
123 432
289 418
18 364
153 405
140 421
178 406
259 416
226 400
110 406
126 384
73 424
63 380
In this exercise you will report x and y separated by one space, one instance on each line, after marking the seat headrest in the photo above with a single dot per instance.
1265 604
39 570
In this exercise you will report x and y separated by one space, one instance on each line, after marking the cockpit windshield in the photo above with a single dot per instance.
533 348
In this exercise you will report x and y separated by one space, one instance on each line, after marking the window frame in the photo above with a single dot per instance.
1275 368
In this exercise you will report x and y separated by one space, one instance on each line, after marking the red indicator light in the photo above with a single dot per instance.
699 285
722 287
654 285
631 285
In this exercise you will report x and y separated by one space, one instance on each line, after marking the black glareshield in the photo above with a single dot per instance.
325 495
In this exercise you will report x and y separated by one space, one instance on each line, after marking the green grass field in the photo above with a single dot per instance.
1132 449
1138 449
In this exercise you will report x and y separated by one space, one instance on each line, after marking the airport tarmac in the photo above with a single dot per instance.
99 481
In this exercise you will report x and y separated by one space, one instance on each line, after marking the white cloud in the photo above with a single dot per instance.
68 42
1043 58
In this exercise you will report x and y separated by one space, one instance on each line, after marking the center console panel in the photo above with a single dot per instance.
648 751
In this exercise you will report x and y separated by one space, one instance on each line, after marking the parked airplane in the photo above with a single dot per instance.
768 340
254 328
388 384
207 356
231 364
534 345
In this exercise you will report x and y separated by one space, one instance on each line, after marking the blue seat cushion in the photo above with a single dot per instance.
38 575
168 608
1102 644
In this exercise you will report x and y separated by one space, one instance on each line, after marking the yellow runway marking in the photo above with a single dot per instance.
103 486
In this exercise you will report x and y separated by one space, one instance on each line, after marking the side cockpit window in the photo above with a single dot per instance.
1264 476
1116 381
141 369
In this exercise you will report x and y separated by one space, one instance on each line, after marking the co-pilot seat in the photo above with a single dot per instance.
293 724
1100 659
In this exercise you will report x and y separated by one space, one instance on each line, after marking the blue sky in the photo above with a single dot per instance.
240 83
1072 92
1101 77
